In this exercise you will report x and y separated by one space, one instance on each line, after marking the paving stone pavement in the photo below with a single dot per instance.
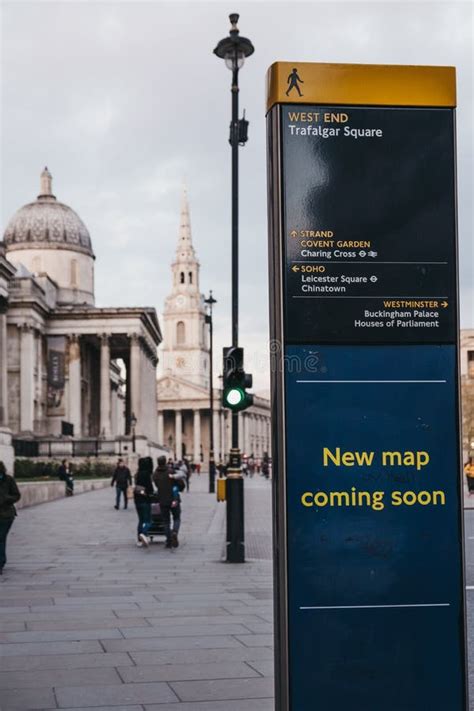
90 621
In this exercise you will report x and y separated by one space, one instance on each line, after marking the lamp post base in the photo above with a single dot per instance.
235 546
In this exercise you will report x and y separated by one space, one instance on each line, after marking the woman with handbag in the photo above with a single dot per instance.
141 495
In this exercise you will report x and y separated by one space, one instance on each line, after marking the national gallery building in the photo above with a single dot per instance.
74 379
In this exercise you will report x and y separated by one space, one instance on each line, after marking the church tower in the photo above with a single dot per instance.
186 352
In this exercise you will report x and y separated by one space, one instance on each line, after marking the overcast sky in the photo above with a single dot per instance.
125 100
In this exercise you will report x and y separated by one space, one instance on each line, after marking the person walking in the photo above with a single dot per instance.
142 498
185 469
65 475
469 472
9 495
170 505
122 480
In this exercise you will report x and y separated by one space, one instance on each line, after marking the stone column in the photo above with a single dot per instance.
161 428
197 436
3 366
178 427
105 395
114 410
75 386
217 435
27 378
241 433
223 436
246 434
135 358
252 435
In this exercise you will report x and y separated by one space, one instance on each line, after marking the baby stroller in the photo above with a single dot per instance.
157 527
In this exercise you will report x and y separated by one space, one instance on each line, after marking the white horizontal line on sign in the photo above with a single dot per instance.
402 298
322 382
370 607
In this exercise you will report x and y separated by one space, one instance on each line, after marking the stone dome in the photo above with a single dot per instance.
47 224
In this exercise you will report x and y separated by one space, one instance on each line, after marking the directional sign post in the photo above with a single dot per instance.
369 580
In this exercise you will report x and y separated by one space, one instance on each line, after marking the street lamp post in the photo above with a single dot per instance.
233 50
210 301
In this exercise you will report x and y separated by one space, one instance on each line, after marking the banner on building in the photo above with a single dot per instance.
56 370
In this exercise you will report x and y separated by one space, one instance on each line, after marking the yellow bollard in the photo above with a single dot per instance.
221 489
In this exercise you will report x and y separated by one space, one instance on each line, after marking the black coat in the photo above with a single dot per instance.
9 495
122 478
143 478
164 484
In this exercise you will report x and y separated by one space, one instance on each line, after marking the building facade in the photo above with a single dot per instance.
183 386
74 378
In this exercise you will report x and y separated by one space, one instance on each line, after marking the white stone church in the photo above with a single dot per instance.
74 379
183 388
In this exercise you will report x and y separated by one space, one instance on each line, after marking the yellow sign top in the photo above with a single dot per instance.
360 84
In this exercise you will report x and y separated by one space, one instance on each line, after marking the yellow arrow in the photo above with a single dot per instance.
295 268
294 233
444 304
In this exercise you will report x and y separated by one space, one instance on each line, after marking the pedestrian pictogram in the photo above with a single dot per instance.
293 80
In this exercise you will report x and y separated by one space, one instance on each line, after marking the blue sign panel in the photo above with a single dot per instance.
375 602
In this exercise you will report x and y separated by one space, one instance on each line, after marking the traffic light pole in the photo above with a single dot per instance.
235 483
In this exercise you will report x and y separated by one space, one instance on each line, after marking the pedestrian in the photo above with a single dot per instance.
186 470
168 485
65 474
469 472
9 495
251 464
122 480
142 493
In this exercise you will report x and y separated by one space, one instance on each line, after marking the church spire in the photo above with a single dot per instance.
185 249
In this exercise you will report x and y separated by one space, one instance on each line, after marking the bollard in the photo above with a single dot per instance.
221 489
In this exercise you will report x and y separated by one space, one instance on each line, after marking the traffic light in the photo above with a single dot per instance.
236 381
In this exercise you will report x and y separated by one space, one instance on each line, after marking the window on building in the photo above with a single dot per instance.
182 277
190 277
180 332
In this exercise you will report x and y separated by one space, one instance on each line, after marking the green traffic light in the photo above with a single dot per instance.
234 397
